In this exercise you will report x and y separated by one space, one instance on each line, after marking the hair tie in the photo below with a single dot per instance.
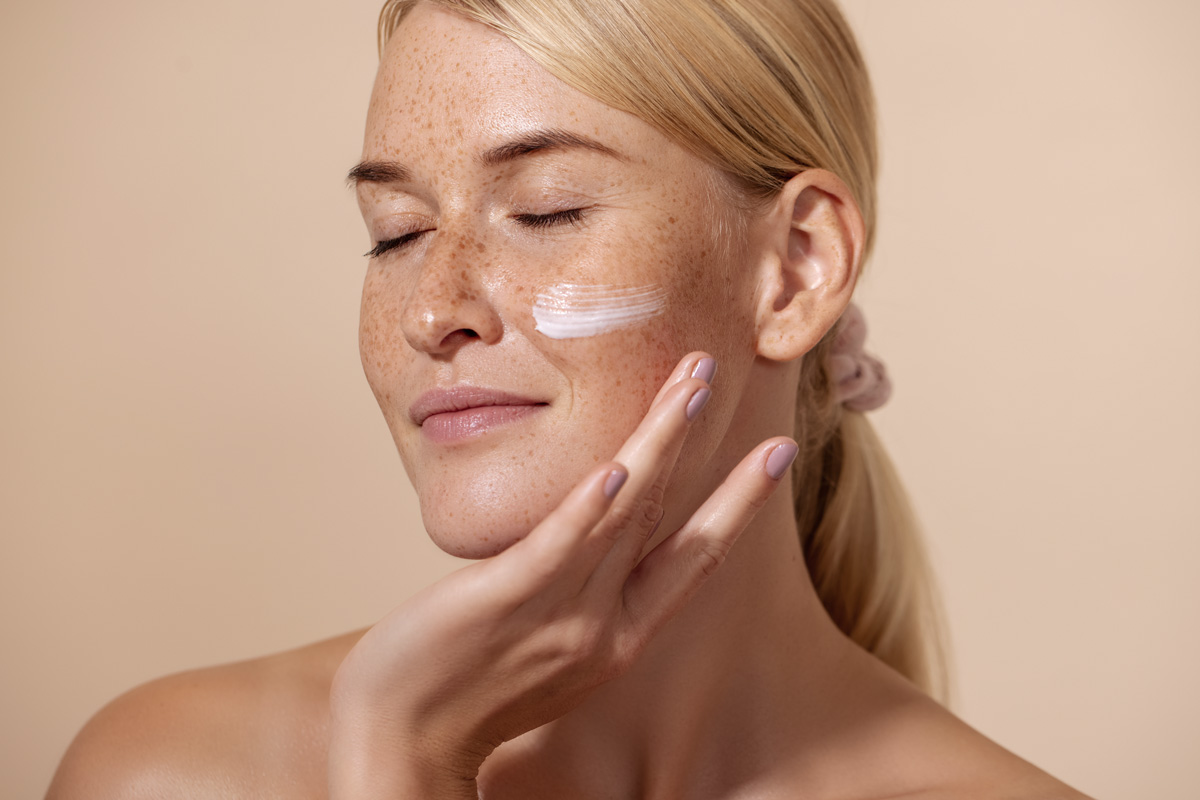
861 381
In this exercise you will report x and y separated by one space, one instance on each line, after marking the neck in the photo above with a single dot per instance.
750 676
747 670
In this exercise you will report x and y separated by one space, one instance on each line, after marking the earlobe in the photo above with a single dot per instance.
810 255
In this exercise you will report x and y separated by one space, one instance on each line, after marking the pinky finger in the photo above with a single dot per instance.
672 572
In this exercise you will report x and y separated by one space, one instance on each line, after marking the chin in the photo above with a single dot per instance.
484 520
480 499
463 537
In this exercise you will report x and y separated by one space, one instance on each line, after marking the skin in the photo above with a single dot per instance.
481 273
596 651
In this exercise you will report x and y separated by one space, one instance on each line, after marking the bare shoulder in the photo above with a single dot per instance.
958 761
254 728
997 774
890 741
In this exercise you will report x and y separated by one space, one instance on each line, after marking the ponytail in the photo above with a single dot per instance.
860 537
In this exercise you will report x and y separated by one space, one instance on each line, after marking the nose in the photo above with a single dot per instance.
448 305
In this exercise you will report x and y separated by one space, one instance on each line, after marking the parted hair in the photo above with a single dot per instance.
763 90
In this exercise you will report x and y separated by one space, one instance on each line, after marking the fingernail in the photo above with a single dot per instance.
614 482
706 369
698 401
780 459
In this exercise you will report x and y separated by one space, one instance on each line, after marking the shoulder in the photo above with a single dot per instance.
251 729
907 745
960 761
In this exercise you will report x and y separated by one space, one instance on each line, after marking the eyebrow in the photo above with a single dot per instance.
526 144
378 172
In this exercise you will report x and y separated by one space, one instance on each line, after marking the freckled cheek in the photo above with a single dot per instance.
615 376
381 343
637 359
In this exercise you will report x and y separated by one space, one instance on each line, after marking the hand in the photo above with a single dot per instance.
508 644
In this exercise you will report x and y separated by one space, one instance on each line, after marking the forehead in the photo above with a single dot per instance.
445 80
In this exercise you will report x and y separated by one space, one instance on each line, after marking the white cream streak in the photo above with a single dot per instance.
569 311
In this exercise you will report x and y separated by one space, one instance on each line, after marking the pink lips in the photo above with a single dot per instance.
449 415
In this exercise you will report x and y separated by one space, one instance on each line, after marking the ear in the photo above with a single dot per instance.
809 253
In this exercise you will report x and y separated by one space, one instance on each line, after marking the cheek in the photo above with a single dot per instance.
381 344
616 375
661 291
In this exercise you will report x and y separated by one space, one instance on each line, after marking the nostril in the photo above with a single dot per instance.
459 336
438 319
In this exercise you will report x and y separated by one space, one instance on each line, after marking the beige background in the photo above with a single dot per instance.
193 469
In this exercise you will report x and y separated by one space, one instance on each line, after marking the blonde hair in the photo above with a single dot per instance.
763 90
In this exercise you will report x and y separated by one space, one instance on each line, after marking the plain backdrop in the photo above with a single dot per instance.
193 470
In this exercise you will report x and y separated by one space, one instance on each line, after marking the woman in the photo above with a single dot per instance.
579 210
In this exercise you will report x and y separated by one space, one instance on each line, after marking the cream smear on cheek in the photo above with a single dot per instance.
571 311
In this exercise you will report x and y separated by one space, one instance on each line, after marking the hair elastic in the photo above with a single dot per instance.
861 380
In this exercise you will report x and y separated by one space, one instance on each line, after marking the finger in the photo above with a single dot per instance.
672 572
543 556
650 455
547 553
694 365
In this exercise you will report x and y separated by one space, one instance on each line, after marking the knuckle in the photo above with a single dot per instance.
656 493
580 640
615 668
619 518
631 649
543 567
755 501
710 555
620 659
651 513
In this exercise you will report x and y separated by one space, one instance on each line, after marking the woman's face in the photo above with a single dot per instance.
539 253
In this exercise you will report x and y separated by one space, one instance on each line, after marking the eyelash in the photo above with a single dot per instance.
390 244
570 216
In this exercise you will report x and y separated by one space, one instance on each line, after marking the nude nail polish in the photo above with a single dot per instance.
705 369
780 459
697 403
614 482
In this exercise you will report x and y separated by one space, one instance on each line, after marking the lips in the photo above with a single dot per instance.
465 411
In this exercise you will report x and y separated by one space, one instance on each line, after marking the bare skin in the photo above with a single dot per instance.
259 729
594 652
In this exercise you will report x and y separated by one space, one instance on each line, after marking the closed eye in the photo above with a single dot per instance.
569 216
392 244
